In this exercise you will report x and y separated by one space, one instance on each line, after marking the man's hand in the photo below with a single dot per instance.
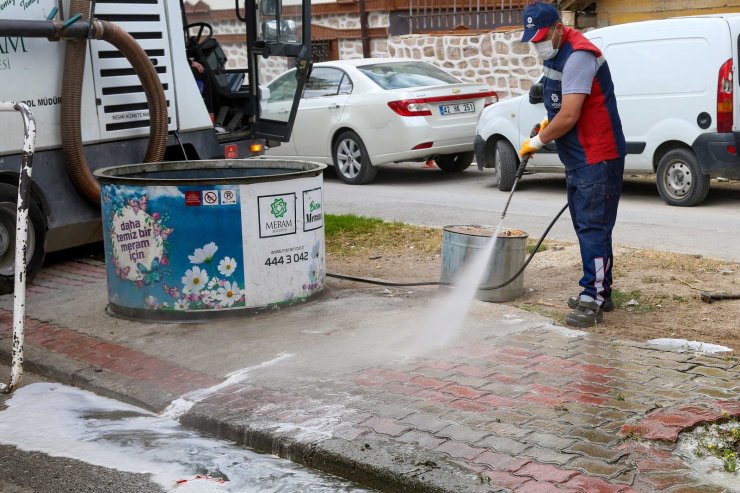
530 146
198 67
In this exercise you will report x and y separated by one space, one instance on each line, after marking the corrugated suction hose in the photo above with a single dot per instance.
74 68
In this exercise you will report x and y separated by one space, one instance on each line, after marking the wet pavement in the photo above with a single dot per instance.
352 384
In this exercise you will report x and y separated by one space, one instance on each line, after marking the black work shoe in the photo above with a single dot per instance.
607 305
586 314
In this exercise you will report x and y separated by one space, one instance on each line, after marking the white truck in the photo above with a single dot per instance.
112 82
677 92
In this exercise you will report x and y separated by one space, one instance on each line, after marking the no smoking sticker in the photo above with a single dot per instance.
210 197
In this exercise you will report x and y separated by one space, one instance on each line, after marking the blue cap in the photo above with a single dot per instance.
538 17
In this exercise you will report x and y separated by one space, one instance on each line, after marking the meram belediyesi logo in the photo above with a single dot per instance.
280 218
278 208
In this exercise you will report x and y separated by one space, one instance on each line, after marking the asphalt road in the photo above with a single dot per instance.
36 472
411 194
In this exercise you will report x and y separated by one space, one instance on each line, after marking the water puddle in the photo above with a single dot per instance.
64 421
704 465
181 405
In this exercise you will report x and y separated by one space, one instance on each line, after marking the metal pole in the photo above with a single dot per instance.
411 17
44 29
21 242
363 30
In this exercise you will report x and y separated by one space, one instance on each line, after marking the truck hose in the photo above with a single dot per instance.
74 67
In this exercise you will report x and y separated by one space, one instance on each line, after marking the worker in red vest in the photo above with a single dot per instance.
583 120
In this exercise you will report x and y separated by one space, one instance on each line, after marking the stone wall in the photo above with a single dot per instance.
496 59
236 53
351 21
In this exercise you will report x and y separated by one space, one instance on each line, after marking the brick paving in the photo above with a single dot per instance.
538 411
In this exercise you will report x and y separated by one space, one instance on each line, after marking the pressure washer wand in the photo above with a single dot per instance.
519 173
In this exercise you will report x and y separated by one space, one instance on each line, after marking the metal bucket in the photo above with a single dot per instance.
461 243
189 241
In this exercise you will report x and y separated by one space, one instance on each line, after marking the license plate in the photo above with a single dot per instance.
453 109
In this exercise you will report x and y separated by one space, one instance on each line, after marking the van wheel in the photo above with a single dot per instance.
351 160
680 180
455 163
506 163
36 238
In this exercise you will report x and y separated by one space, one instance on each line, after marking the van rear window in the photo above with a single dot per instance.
643 68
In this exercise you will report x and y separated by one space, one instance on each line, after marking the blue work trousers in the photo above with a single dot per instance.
593 198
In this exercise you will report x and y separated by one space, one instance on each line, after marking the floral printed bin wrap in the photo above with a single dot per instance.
204 248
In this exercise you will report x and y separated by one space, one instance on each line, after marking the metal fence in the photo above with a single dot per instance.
445 15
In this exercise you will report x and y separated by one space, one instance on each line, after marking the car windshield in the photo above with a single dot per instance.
407 74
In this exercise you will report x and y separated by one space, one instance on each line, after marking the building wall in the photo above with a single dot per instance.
348 48
612 12
236 53
350 21
497 59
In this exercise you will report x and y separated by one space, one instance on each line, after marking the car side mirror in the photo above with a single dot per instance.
536 93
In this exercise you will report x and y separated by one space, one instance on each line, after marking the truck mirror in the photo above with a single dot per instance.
271 7
535 93
286 34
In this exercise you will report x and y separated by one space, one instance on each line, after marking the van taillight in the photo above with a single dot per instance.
724 98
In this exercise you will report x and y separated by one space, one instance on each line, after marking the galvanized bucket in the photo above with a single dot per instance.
462 243
191 241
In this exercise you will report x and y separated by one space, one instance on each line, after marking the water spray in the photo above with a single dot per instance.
519 172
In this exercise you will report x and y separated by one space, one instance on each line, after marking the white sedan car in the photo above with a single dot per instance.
358 114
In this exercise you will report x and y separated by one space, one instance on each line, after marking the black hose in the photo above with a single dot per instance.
386 283
379 282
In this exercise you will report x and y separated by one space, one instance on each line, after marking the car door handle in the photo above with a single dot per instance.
333 106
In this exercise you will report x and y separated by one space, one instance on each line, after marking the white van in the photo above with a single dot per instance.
676 86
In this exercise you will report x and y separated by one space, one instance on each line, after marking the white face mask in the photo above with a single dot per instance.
545 50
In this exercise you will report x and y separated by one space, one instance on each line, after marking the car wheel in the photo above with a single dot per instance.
455 163
680 180
36 238
506 164
351 160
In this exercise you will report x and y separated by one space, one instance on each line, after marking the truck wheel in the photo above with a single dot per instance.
680 180
506 163
351 160
455 163
36 238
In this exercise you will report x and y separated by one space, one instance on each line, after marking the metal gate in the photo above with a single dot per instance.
444 15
